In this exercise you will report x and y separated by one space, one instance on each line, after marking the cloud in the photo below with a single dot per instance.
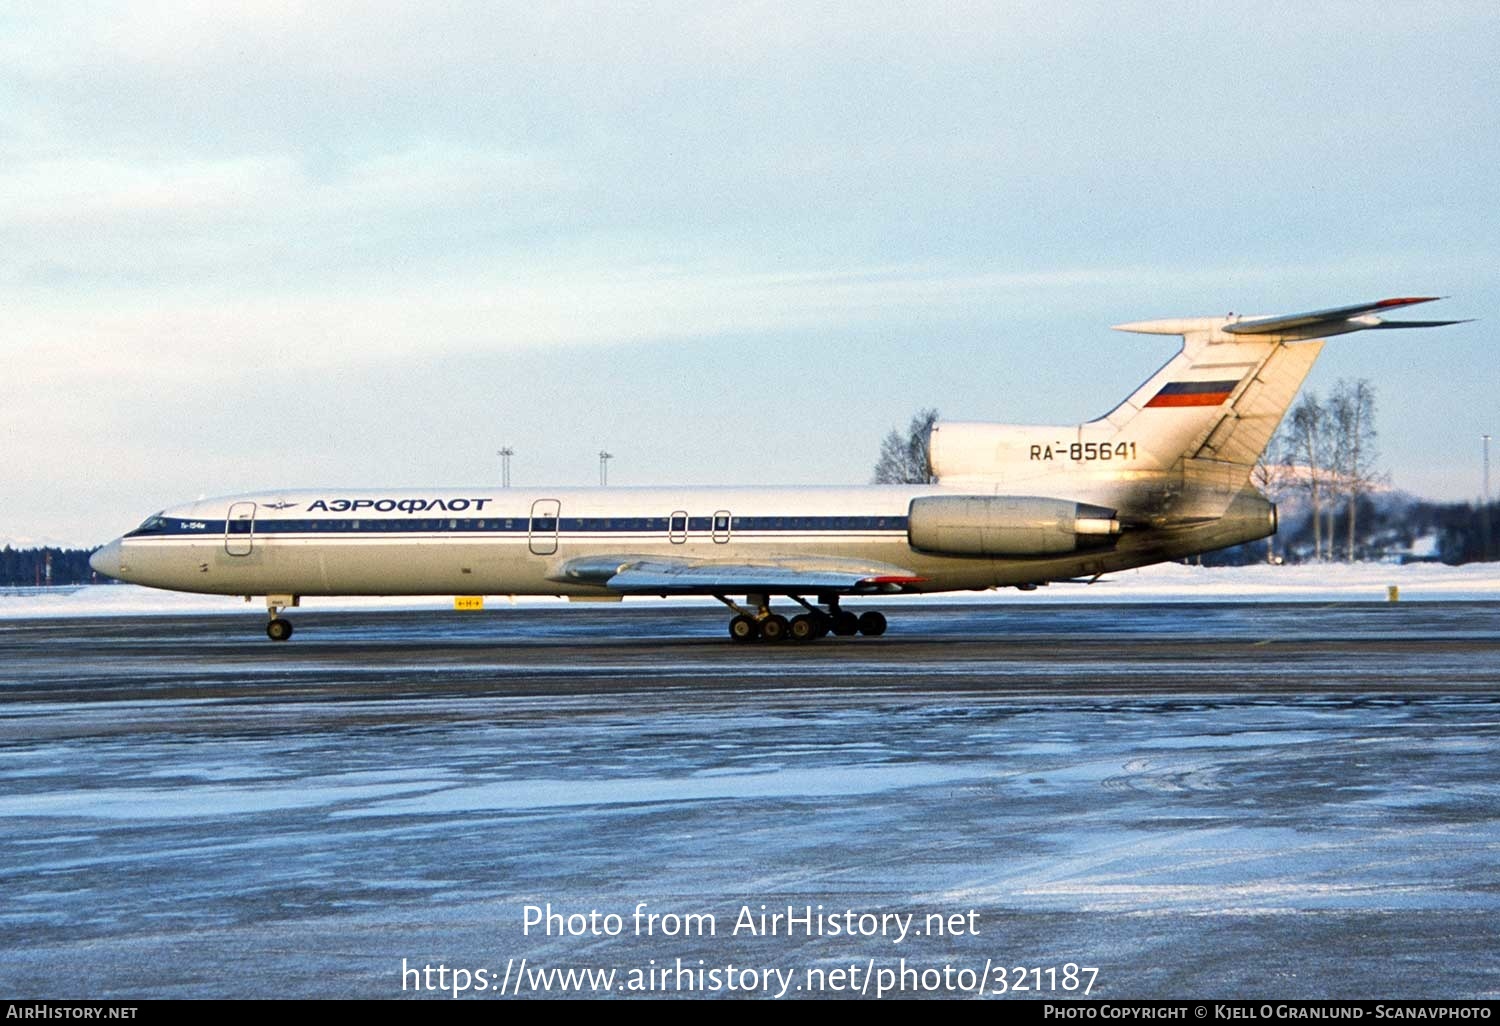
175 334
195 196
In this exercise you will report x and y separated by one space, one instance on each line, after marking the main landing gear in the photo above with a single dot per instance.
764 625
279 628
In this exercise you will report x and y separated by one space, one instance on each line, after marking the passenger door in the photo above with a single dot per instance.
546 514
239 529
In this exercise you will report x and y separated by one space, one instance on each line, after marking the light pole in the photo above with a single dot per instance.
1486 468
505 454
1484 511
604 458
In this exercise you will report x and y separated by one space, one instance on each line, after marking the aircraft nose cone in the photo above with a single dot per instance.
107 560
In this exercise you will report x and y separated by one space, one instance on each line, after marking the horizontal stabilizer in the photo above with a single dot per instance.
1335 321
1298 327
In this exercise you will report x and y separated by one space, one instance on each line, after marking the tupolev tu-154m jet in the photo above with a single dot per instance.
1164 475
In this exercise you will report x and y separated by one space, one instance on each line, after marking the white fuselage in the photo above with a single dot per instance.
422 541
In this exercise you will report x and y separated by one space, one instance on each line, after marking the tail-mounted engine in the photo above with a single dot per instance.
1007 525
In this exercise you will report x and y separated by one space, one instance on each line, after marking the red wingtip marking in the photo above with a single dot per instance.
1404 301
893 580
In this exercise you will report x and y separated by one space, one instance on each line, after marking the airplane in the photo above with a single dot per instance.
1164 475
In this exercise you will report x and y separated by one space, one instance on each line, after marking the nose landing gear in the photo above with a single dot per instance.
280 628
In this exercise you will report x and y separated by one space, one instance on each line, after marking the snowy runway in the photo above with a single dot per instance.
1225 800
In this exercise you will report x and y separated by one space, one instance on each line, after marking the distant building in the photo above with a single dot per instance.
1426 549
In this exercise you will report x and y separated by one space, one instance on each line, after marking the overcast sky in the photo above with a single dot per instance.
307 244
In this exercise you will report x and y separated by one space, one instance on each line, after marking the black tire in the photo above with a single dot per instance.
805 628
279 629
775 628
744 628
871 624
845 624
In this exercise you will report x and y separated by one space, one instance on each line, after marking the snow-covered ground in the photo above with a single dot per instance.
1170 582
1191 799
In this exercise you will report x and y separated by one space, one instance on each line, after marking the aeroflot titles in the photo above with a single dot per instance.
392 505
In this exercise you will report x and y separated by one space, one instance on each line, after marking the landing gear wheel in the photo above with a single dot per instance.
871 624
805 628
279 629
845 625
744 628
774 627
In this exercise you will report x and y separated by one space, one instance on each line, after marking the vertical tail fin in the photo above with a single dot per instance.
1212 410
1204 391
1182 446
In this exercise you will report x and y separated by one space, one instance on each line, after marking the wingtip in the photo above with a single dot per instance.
1386 304
1421 324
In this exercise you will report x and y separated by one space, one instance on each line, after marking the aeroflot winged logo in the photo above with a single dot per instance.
394 505
281 505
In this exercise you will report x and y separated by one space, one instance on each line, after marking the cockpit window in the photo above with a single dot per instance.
154 524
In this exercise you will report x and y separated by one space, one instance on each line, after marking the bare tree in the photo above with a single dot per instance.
904 459
1351 412
1307 443
1331 445
1275 476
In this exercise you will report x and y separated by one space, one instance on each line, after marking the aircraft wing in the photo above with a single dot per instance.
655 575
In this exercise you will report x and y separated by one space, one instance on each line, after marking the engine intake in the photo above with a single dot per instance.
1006 525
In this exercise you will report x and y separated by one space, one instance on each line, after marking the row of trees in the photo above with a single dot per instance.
1393 527
22 567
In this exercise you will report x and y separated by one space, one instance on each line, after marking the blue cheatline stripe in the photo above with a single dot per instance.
167 526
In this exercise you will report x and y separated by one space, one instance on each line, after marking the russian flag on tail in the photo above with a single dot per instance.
1192 393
